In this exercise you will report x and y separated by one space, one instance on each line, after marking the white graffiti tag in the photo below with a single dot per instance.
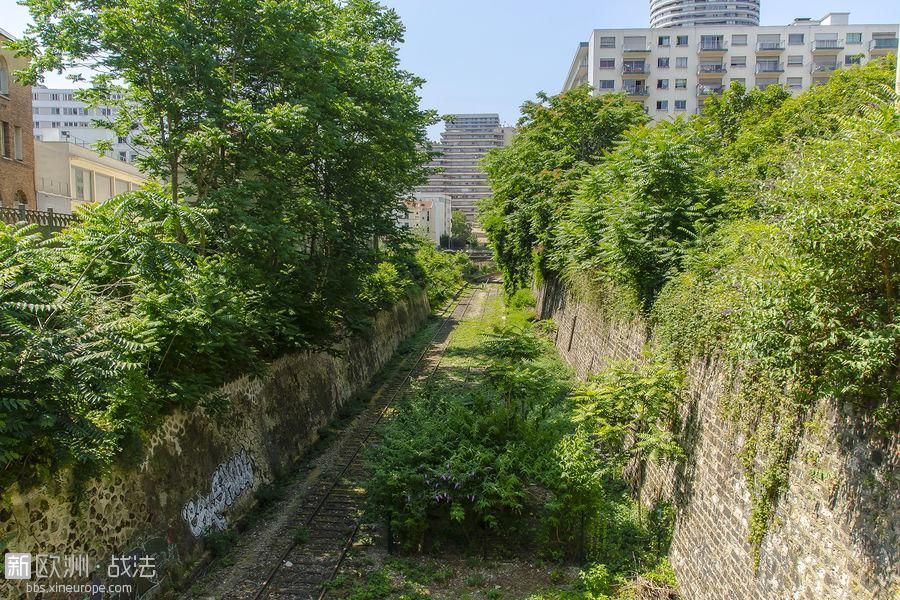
228 482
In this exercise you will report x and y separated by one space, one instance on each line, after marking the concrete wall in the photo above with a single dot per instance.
836 534
198 472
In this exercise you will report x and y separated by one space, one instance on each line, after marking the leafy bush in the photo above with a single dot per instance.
443 272
631 408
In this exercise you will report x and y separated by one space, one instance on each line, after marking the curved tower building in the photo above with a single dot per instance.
694 13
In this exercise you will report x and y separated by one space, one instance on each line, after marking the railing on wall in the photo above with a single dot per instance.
48 218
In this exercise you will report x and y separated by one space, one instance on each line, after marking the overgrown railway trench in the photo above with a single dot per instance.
298 548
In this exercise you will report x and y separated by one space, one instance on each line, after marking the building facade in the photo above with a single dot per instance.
69 175
59 117
693 13
672 71
465 140
428 214
16 142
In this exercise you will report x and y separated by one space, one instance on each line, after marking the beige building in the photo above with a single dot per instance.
672 71
68 175
429 214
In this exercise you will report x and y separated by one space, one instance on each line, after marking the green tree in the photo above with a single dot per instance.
285 132
460 229
534 178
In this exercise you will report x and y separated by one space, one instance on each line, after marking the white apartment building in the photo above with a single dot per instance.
59 117
465 140
429 214
672 71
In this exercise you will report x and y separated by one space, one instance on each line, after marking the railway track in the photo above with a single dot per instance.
328 521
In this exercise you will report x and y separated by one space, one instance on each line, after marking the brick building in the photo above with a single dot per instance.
16 139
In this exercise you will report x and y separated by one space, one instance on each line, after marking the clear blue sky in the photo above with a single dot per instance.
491 55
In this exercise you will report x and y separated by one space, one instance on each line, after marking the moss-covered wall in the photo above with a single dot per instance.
836 533
199 471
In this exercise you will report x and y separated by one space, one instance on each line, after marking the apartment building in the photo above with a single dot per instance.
465 140
69 175
429 214
16 144
673 70
59 117
693 13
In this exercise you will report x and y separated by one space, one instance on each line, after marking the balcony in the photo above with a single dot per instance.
770 47
709 90
882 46
636 49
820 70
637 91
711 70
712 47
635 70
827 46
769 67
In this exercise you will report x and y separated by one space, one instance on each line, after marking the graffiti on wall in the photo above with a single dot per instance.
207 512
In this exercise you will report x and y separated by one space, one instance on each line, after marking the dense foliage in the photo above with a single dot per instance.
285 133
766 231
510 458
533 179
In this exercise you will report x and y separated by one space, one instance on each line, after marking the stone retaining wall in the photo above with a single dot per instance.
836 533
199 471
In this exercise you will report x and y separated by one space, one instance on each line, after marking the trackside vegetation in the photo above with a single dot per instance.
499 454
765 231
282 136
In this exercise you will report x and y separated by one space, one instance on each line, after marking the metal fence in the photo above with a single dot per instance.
48 218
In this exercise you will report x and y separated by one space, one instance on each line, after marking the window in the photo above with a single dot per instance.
795 60
662 62
83 180
738 61
681 40
854 59
17 141
795 39
854 38
4 132
4 77
681 105
681 84
739 39
662 105
123 139
123 156
795 83
681 62
67 97
606 63
662 84
607 42
712 42
54 97
606 84
664 40
54 110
